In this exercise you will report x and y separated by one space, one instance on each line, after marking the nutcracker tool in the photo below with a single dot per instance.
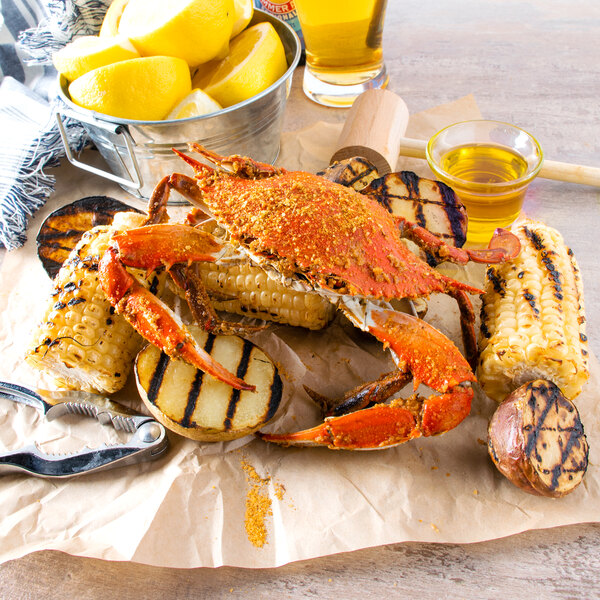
149 440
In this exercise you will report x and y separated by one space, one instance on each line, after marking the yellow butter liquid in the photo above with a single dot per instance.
343 38
483 166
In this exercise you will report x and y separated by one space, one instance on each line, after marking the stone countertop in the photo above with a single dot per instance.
533 63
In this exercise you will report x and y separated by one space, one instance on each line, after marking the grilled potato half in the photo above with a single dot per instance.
63 228
197 406
536 440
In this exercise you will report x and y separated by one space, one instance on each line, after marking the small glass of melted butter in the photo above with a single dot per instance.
489 165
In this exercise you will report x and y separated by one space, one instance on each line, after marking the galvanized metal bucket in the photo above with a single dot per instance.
139 153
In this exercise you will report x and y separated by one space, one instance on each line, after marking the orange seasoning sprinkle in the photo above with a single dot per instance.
258 504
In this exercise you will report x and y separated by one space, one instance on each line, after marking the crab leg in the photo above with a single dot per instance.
431 358
157 205
155 321
204 314
363 395
503 246
241 166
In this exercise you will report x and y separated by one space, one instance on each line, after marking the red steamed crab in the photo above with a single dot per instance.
315 234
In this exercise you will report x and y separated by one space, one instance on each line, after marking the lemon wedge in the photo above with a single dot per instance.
144 89
194 30
256 60
243 11
110 24
90 52
194 105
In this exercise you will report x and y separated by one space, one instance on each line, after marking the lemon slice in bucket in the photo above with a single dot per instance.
243 11
144 89
256 60
110 23
194 105
90 52
194 30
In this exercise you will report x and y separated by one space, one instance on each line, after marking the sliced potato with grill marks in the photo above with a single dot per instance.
196 405
428 203
536 440
62 229
356 172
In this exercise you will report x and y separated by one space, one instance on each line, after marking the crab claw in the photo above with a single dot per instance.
380 426
165 244
383 425
431 358
155 321
429 355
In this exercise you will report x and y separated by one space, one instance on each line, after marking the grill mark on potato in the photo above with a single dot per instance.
275 396
235 394
456 218
157 377
533 433
196 387
192 400
552 397
411 181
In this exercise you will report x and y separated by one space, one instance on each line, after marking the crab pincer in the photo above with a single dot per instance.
431 358
149 315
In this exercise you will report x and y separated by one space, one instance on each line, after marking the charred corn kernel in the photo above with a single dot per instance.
81 341
533 318
247 290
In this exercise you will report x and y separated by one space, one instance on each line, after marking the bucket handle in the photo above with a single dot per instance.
135 182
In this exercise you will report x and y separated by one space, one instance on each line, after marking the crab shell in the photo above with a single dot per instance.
338 239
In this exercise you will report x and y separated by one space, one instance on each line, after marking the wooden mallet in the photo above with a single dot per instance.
375 128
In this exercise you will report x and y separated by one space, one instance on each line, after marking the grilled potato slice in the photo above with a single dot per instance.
356 172
63 228
536 440
431 204
197 406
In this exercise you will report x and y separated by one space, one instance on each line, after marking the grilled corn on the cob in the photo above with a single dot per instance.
81 341
245 289
532 317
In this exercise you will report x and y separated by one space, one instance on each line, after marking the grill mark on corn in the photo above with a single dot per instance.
531 300
546 259
157 377
235 394
497 282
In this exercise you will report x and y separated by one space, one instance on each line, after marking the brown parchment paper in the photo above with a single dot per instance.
188 508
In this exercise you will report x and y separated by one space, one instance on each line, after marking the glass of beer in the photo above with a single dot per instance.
489 164
344 56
